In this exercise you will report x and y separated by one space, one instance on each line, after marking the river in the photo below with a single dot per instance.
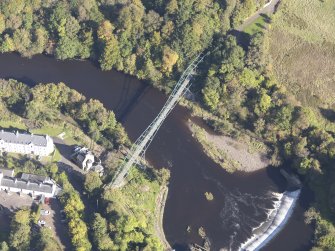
240 200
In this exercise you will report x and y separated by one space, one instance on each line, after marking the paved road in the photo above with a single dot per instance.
267 9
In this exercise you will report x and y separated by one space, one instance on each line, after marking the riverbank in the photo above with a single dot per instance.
159 213
231 154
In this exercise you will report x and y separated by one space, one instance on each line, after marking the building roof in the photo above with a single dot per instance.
23 138
97 168
34 178
7 172
24 184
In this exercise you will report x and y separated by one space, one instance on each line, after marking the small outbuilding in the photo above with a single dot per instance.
86 160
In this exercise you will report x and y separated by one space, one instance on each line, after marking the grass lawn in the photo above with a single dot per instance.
9 124
56 156
259 24
54 131
49 130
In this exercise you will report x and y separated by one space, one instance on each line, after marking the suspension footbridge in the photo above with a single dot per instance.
138 149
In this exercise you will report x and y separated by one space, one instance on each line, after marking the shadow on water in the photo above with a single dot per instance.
278 179
122 112
24 79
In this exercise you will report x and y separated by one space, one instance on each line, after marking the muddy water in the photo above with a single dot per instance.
240 200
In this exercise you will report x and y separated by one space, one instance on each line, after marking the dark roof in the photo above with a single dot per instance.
27 185
7 172
34 178
23 138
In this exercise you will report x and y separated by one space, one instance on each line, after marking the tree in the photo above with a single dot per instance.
283 117
163 176
7 44
172 7
2 23
67 47
19 237
170 58
92 182
264 102
110 54
47 241
100 233
211 98
250 78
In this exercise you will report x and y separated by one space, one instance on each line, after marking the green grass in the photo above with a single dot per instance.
14 124
258 25
56 156
49 130
54 131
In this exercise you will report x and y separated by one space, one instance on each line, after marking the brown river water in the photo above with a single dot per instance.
240 200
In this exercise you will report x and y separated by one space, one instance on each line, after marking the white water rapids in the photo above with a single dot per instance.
277 218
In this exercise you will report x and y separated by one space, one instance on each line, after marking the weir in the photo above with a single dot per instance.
276 221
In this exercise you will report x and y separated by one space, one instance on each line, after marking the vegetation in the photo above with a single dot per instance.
258 25
128 216
74 209
209 196
150 39
285 100
130 212
42 112
302 51
243 95
23 238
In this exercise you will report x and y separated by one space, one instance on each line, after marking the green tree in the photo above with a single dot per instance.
92 182
19 237
100 233
2 23
170 58
211 98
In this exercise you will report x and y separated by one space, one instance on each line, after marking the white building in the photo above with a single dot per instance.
84 158
30 184
24 143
